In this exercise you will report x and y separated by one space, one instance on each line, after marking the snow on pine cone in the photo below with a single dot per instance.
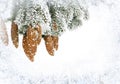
49 44
14 34
3 32
55 42
38 28
30 41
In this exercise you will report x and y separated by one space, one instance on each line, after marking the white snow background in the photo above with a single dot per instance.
88 55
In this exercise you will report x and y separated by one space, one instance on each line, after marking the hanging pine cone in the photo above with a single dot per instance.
55 42
14 34
3 32
30 41
49 44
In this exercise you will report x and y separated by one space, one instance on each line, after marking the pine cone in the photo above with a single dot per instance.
4 38
3 32
55 42
30 42
49 44
38 28
14 34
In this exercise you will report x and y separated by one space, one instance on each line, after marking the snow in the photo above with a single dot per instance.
88 55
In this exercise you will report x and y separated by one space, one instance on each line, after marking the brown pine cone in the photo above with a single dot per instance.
55 42
25 45
14 34
30 43
49 44
38 28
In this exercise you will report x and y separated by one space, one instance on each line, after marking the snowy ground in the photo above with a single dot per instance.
89 55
